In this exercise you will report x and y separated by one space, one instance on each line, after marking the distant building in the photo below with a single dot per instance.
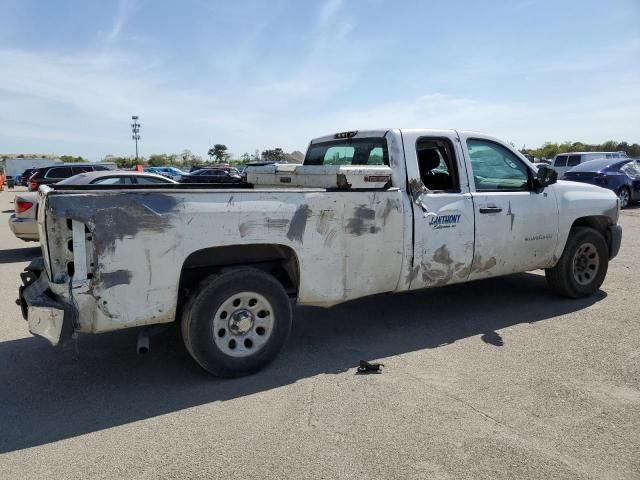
13 167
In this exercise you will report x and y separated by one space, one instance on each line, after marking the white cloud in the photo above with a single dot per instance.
121 17
81 103
327 11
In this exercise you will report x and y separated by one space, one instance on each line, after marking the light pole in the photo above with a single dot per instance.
135 129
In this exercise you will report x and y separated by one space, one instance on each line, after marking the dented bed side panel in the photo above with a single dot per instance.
348 244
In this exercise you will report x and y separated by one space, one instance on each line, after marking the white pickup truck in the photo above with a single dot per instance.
368 212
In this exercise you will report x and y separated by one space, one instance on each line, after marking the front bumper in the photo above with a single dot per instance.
47 316
615 240
24 228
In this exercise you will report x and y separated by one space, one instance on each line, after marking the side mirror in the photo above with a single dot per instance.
545 176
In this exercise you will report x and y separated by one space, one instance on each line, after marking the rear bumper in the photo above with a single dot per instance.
47 316
615 240
24 228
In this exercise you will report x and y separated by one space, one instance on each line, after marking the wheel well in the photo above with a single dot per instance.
597 222
277 260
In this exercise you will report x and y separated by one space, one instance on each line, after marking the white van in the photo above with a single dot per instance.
566 161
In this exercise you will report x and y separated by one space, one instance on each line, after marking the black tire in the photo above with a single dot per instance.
624 194
570 279
216 291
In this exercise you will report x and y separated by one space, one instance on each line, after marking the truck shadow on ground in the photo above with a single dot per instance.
48 396
19 254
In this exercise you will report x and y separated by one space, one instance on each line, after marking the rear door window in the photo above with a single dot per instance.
149 180
112 181
77 170
561 161
573 160
632 170
59 172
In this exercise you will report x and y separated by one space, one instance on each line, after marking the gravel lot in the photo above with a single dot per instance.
493 379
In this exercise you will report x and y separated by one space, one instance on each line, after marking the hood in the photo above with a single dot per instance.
585 199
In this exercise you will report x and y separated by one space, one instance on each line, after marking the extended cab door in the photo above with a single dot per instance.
516 226
443 208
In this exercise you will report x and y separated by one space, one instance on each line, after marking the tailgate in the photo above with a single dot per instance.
42 226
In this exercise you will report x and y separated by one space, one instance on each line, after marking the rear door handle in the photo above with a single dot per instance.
490 209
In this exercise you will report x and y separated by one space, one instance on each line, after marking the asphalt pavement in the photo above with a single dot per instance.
486 380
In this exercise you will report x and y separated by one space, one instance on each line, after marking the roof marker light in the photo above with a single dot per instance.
350 134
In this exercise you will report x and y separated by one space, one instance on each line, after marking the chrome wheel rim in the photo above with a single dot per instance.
586 263
243 324
624 197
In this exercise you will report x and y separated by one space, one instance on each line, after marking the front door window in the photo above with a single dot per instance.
495 168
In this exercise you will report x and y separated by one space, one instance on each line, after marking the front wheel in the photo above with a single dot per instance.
582 266
236 322
625 197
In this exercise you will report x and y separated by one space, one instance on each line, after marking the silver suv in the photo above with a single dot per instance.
566 161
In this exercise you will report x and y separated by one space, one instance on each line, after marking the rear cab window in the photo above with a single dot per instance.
350 151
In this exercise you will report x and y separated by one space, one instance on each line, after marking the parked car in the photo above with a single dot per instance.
563 162
211 175
170 172
23 220
620 176
403 210
57 173
216 166
24 177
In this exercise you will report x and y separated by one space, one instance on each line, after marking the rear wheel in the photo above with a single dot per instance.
582 266
236 322
625 197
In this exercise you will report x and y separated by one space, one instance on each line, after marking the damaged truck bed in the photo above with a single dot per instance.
368 212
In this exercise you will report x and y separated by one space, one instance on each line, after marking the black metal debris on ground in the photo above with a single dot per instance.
365 367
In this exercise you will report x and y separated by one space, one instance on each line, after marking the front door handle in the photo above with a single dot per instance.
491 209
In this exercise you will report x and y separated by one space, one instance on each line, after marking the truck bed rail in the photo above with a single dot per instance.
157 186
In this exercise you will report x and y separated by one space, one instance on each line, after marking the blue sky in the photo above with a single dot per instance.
259 74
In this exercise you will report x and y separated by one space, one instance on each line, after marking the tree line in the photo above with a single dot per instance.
64 158
219 154
550 149
216 154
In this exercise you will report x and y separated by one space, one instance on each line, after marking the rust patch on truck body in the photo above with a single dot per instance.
299 223
268 225
118 277
116 216
392 204
363 221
